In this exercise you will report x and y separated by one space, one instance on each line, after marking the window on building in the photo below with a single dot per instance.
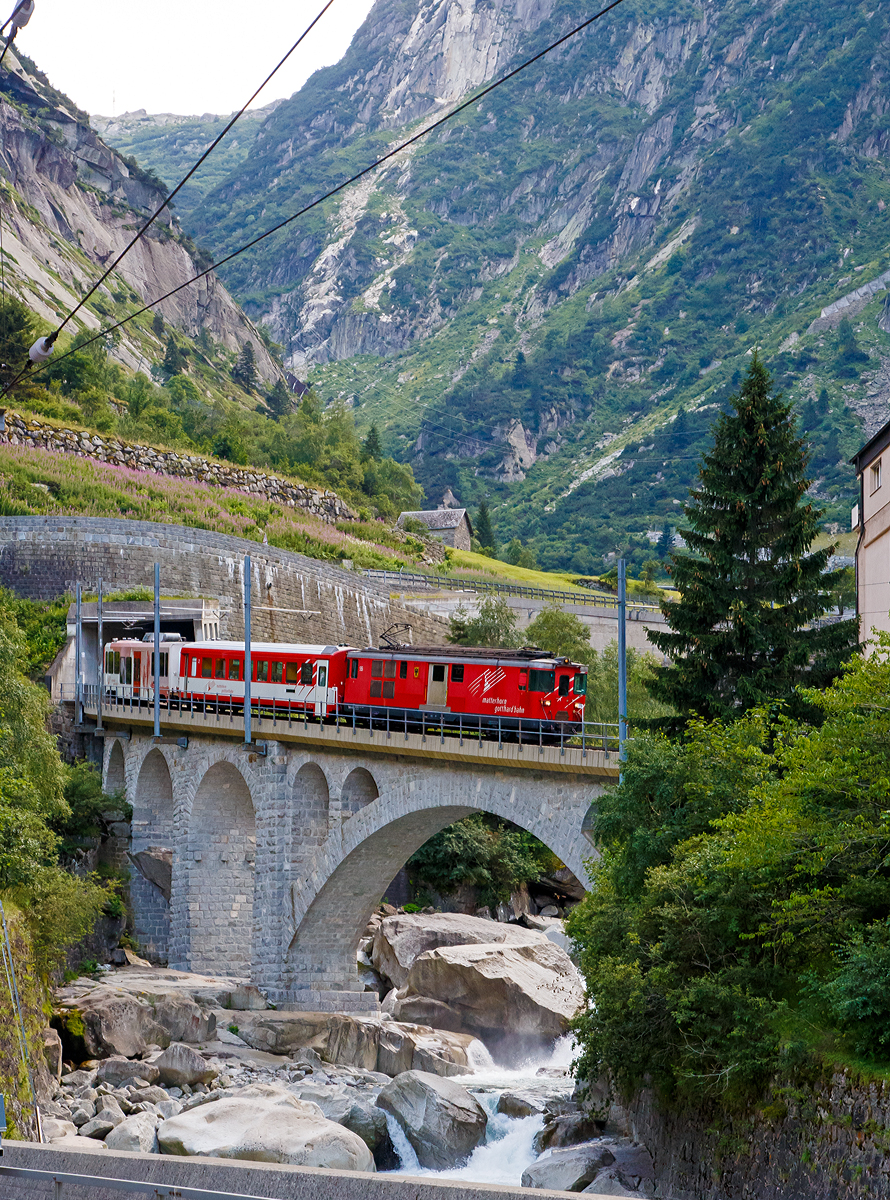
457 673
541 681
875 475
234 668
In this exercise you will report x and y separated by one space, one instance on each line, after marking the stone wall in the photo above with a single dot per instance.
295 598
272 1180
827 1140
40 435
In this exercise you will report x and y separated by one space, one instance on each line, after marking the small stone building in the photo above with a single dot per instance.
450 525
871 517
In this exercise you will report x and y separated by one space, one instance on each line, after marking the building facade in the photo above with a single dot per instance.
872 518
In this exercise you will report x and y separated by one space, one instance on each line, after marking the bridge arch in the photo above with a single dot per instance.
115 770
152 881
333 901
221 859
359 788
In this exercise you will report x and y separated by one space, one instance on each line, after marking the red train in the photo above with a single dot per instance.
498 687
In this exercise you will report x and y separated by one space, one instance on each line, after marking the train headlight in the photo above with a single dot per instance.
546 703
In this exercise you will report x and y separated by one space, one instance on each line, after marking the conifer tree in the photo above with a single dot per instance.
174 359
372 450
279 400
749 583
244 370
17 332
666 541
484 531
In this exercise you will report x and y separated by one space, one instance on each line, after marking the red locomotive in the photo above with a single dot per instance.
496 688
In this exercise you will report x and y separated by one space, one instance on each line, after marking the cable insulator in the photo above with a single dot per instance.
41 350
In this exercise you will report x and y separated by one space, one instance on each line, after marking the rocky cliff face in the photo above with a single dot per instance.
71 204
629 219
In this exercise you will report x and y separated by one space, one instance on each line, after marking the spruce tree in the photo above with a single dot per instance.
484 531
749 584
244 370
174 359
279 400
666 541
372 450
17 332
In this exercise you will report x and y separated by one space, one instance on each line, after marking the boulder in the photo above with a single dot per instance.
181 1064
417 1047
117 1071
264 1123
521 1104
348 1108
568 1130
116 1023
423 1010
532 989
183 1019
155 865
53 1129
401 939
610 1183
100 1125
134 1133
52 1053
568 1170
285 1032
245 998
440 1119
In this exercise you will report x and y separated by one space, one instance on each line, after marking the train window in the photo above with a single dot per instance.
163 670
292 672
376 668
389 670
277 672
234 668
262 670
127 670
220 668
564 681
438 673
541 681
389 690
353 668
206 665
306 673
457 673
523 681
195 662
322 677
403 670
581 684
376 689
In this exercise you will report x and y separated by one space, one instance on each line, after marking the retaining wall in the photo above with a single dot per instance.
216 1174
43 557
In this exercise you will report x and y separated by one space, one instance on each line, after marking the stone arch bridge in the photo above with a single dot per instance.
282 850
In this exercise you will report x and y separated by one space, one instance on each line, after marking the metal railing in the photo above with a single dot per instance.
158 1191
455 583
295 716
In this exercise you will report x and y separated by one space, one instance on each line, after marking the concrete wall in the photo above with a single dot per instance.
279 860
43 557
602 622
216 1174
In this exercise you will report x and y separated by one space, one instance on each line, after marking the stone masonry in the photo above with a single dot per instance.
279 860
43 557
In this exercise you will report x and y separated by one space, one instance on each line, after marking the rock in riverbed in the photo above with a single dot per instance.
265 1123
441 1120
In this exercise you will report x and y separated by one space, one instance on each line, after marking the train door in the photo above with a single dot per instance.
437 686
137 675
321 687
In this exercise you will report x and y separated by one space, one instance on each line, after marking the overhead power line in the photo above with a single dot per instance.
449 116
42 348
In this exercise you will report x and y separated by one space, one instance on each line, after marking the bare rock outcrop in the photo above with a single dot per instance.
443 1122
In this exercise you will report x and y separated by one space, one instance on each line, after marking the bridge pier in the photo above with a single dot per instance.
279 858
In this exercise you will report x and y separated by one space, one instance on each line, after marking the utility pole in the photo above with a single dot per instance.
100 658
622 661
78 652
157 653
248 665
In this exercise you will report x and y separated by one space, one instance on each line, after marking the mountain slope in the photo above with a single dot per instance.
546 301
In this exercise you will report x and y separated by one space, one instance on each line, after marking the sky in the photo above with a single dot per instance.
181 56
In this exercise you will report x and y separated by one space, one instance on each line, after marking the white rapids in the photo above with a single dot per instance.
508 1148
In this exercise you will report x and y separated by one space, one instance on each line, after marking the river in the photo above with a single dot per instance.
508 1148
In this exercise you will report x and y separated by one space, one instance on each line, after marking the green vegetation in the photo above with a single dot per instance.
737 923
492 856
751 587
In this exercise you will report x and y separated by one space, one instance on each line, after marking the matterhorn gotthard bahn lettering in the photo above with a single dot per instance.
444 600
